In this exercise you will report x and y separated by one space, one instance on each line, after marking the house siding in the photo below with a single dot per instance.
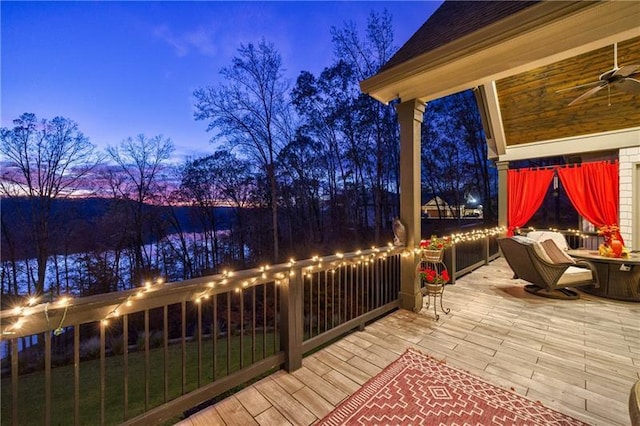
629 160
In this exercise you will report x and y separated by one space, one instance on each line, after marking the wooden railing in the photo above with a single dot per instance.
464 257
145 356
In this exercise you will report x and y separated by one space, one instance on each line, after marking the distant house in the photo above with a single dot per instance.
438 208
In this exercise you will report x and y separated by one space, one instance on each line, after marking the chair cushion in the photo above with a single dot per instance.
556 255
537 247
557 237
573 274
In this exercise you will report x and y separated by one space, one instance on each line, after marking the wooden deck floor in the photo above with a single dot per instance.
579 357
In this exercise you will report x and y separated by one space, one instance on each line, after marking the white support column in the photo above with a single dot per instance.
503 166
629 204
410 115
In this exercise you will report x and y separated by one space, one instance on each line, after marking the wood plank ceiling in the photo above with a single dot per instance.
533 111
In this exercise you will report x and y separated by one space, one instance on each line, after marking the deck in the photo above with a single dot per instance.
578 357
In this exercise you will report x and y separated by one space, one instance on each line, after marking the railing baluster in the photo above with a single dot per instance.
102 326
343 293
333 298
14 381
76 374
364 303
367 284
317 303
253 324
228 333
147 339
214 333
386 289
47 378
165 340
351 290
241 328
378 283
276 317
359 286
307 295
199 342
183 316
326 303
125 360
264 319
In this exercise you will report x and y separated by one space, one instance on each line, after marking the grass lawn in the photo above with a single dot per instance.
31 387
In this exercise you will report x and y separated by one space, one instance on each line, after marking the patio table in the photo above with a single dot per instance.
619 277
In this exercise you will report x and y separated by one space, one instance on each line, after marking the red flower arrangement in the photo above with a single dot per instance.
431 276
612 246
436 243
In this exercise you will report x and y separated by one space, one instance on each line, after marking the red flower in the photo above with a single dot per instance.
431 276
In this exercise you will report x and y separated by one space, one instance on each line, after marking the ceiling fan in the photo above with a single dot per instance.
621 78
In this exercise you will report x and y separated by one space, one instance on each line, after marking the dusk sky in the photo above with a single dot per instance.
123 68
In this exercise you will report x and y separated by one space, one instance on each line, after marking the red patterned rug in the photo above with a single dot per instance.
419 390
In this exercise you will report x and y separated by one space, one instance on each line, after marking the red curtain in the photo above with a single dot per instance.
594 191
526 189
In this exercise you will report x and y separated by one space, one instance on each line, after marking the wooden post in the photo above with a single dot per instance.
486 250
503 166
410 116
452 270
291 332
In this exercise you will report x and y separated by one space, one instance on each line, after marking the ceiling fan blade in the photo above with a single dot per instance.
588 93
625 71
578 86
629 85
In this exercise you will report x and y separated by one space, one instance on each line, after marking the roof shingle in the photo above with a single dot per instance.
451 21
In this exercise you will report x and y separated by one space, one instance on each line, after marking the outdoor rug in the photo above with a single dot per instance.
419 390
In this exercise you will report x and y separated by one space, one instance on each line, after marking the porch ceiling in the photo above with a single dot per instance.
532 110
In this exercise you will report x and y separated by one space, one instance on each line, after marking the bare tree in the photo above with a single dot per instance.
47 160
221 179
376 152
141 162
251 111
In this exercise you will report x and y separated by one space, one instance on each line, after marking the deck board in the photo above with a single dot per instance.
579 357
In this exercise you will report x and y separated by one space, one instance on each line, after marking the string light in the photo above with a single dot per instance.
357 259
477 234
575 232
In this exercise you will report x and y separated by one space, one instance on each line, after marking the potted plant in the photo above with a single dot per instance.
433 248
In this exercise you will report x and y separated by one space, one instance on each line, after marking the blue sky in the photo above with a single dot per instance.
123 68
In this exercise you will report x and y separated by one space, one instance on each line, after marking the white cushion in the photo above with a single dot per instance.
573 274
555 254
537 247
557 238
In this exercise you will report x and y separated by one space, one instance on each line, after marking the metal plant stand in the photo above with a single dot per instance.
432 259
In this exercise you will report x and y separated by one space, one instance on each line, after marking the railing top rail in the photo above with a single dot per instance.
35 318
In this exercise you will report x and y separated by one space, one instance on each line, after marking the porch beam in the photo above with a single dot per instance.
410 116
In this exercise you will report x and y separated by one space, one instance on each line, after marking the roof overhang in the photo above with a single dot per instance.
539 35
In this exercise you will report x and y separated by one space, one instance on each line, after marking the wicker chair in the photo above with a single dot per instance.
547 279
634 404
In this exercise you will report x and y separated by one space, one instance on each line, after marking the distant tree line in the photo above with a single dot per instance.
306 169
